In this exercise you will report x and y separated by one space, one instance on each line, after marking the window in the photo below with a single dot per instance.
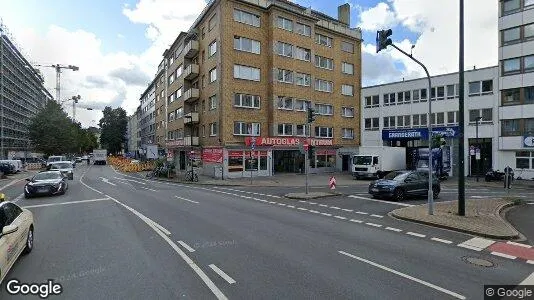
302 104
450 91
179 71
203 130
415 95
440 118
528 31
284 23
511 96
179 92
523 159
509 6
511 36
180 113
389 99
247 45
302 130
171 98
323 62
423 94
246 101
474 88
213 102
284 49
285 76
323 40
528 63
528 3
242 128
303 79
246 18
324 86
371 124
441 92
171 60
400 121
528 126
212 22
171 116
415 120
511 66
400 97
285 129
528 95
452 118
213 129
213 75
372 101
302 53
303 29
510 127
347 90
347 133
324 109
487 87
347 47
247 73
171 78
324 132
423 118
285 103
347 68
212 48
389 122
347 112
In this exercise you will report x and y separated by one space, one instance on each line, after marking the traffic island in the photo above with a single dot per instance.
311 195
483 217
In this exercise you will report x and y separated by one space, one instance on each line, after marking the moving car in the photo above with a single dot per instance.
65 167
55 158
78 159
398 185
46 183
17 234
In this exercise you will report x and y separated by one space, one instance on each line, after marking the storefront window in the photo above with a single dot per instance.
263 163
331 161
235 161
321 161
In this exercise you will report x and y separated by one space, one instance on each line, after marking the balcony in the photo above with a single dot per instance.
191 72
191 94
191 49
188 140
191 117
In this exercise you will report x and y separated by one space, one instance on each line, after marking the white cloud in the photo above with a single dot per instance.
376 18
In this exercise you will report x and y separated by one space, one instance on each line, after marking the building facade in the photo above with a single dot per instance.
516 83
237 86
22 96
147 117
133 134
396 114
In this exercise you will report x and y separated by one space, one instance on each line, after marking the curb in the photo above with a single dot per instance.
486 235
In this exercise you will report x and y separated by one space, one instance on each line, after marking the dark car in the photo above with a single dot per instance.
46 183
7 168
398 185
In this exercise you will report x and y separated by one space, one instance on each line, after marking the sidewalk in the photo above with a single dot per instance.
4 182
483 217
471 182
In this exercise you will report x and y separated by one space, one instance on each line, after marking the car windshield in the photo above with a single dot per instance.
362 160
61 166
47 176
397 176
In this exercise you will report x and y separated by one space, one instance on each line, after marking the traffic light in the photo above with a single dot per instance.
311 151
311 115
383 40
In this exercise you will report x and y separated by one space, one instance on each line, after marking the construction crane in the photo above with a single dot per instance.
58 68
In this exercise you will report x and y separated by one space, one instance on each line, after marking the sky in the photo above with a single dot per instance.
118 44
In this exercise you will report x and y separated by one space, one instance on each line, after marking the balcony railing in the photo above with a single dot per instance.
188 140
191 117
191 49
191 94
191 72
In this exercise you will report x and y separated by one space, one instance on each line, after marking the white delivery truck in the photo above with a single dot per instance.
100 156
375 162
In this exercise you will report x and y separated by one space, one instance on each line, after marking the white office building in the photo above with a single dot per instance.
395 114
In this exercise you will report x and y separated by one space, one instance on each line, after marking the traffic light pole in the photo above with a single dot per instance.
429 123
306 156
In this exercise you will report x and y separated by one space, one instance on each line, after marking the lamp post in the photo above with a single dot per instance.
477 160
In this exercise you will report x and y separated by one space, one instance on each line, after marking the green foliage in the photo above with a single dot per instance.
113 125
437 141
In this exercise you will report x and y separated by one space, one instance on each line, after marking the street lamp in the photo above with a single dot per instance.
477 120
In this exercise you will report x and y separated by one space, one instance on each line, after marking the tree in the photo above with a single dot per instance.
51 131
113 125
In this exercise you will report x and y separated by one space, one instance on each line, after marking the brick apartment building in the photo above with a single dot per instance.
241 79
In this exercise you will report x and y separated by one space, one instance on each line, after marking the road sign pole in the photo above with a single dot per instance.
306 156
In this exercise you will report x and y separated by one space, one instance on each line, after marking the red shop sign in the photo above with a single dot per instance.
212 155
235 153
286 141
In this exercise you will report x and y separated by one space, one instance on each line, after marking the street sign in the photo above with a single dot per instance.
477 153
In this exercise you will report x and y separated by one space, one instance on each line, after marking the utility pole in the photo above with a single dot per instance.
477 149
382 41
461 146
58 69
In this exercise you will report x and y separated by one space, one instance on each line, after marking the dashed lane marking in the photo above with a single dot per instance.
393 229
441 240
518 244
503 255
356 221
377 216
186 246
340 217
312 203
416 234
361 213
188 200
373 224
246 192
348 210
334 207
323 205
302 208
326 214
381 201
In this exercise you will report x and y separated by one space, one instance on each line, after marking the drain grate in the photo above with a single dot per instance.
481 262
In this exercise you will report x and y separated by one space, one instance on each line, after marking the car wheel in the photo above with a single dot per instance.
398 195
26 195
435 193
29 241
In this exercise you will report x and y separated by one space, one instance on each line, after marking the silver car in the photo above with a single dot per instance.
65 167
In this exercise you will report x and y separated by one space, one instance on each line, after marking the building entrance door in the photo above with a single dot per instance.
480 167
288 161
345 163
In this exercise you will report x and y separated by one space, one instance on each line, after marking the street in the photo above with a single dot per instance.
116 236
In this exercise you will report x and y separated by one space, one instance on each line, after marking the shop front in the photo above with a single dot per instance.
183 156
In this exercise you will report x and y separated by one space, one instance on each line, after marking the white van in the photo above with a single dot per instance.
55 158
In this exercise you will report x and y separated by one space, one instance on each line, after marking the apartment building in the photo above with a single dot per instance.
516 83
237 86
395 114
133 134
147 117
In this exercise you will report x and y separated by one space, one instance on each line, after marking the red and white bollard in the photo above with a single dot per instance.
332 182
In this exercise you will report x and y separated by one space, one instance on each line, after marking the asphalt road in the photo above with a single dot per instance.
522 217
130 238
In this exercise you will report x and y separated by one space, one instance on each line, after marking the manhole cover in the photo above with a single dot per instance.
478 261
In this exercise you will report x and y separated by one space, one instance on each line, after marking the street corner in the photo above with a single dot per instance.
311 195
482 217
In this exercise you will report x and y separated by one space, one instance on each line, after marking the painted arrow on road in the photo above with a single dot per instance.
106 181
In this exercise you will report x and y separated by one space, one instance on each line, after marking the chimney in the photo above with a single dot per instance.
343 14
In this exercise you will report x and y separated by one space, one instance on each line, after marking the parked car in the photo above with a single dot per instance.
7 168
398 185
494 175
65 167
46 183
16 225
78 159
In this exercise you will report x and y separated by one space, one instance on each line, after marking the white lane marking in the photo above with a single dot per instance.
529 280
107 181
326 214
246 192
65 203
373 224
291 206
220 272
361 213
163 229
345 209
10 183
126 179
186 246
312 203
356 221
503 255
18 198
441 240
301 208
426 283
282 204
476 243
314 211
149 189
393 229
272 202
377 216
263 200
187 200
340 217
302 201
323 205
530 262
416 234
382 201
334 207
519 244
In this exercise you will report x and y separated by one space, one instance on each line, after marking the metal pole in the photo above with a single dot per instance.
461 146
478 148
73 111
306 156
430 191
